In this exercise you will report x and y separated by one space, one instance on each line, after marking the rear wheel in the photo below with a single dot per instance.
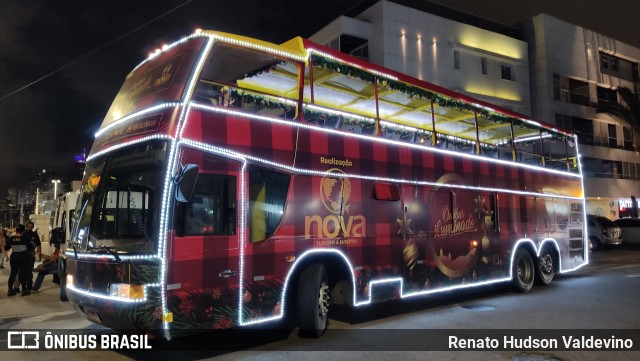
594 244
313 301
523 271
545 268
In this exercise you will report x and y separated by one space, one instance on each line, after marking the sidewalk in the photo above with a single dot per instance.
45 301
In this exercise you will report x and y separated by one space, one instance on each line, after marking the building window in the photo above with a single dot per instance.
628 138
578 92
607 96
584 129
507 73
352 45
483 63
456 59
613 138
618 67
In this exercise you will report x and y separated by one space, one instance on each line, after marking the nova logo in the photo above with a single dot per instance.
335 193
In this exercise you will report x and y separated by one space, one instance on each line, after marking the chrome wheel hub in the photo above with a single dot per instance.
323 300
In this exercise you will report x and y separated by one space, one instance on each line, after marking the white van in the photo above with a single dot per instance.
61 219
62 214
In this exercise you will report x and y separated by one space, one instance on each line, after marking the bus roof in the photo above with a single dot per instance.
409 95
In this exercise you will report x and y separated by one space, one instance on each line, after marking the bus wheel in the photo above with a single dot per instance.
313 301
545 268
523 271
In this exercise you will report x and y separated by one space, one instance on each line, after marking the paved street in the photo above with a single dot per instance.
603 295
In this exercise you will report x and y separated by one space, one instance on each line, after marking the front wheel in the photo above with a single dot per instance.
594 244
523 271
545 268
313 301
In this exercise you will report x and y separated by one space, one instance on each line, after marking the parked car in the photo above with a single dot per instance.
630 229
602 232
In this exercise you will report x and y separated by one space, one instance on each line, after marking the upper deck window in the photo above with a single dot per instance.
161 79
248 79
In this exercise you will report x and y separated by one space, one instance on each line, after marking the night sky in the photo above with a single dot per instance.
47 123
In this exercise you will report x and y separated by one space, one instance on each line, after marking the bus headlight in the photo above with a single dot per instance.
70 280
125 290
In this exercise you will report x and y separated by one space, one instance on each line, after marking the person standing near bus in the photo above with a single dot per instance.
20 260
34 238
3 241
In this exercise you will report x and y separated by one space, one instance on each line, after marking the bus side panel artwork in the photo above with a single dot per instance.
262 139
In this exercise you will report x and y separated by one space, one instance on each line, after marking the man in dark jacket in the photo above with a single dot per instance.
20 260
33 237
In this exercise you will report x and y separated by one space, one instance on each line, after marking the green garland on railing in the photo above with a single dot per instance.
265 69
342 68
415 92
240 96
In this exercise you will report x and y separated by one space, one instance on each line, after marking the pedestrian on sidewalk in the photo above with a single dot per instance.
3 241
20 260
34 238
48 266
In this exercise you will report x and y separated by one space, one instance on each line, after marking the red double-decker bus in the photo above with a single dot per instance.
235 181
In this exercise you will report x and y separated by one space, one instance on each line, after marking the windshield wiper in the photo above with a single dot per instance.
110 250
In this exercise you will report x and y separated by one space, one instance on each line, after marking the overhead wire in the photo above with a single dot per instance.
94 50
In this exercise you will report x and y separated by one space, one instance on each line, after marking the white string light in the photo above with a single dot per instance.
135 115
354 65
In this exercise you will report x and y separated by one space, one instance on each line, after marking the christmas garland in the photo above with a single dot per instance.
265 69
262 101
415 92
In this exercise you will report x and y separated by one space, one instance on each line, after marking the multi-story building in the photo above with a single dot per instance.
573 70
549 69
455 50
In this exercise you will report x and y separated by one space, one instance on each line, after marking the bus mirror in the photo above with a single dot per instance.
186 182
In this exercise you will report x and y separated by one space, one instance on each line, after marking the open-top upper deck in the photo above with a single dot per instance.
316 84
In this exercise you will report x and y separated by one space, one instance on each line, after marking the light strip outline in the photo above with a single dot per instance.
400 280
168 182
123 120
224 151
126 144
310 51
113 298
242 322
383 140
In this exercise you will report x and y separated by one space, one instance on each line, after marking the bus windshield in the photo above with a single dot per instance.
119 205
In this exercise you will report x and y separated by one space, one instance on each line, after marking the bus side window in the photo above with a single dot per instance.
267 198
212 206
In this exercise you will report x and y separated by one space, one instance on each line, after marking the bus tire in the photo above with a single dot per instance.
313 301
545 267
523 271
62 274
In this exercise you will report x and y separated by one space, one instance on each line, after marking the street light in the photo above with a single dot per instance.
55 188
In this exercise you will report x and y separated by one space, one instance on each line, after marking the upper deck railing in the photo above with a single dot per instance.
335 90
